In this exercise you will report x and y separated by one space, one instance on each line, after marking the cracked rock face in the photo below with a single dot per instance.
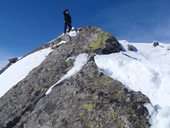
87 99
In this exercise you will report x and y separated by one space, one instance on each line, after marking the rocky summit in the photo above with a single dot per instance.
87 99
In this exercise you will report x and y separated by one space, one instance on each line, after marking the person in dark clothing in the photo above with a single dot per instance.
67 21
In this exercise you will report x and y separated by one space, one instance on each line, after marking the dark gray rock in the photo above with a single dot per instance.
93 40
13 60
155 43
23 97
87 99
101 42
132 48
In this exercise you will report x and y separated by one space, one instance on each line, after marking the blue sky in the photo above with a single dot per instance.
27 24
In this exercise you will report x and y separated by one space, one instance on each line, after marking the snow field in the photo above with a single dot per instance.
9 78
19 70
150 74
147 70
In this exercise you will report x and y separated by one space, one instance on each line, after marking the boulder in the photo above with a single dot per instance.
155 43
13 60
131 47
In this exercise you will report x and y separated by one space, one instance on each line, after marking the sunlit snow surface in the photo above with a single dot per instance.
19 70
73 33
148 71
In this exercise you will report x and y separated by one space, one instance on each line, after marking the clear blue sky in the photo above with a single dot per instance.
27 24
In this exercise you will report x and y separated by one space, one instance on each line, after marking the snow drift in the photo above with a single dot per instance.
148 71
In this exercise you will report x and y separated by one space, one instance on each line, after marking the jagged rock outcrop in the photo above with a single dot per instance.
155 43
131 47
11 61
93 40
87 99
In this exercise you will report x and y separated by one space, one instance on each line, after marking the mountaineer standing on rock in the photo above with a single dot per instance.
67 21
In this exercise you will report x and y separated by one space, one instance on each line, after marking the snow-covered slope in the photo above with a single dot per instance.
148 71
20 69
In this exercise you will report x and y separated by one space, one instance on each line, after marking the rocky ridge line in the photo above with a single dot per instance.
87 99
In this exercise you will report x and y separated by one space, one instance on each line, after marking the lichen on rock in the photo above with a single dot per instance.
88 99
